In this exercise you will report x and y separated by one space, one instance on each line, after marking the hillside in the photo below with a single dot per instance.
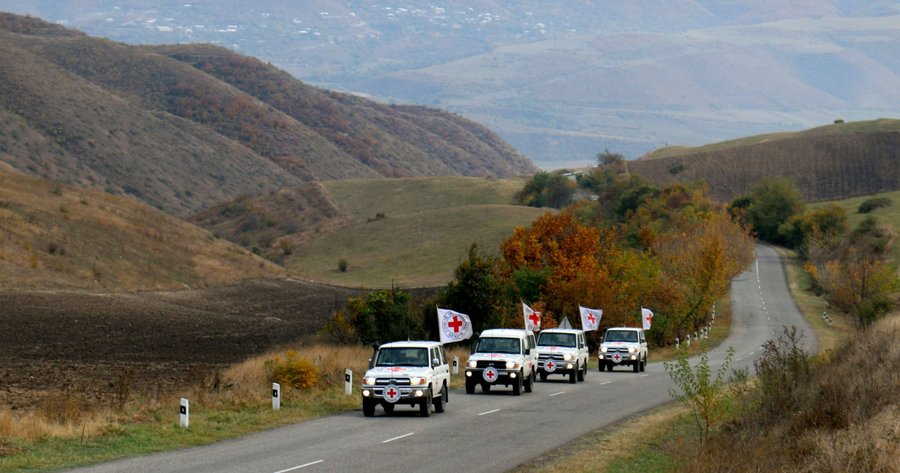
185 127
410 231
826 163
61 236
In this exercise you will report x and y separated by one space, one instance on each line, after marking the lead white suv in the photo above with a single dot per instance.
623 346
413 373
502 357
562 351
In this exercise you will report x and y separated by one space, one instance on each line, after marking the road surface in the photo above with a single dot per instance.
486 432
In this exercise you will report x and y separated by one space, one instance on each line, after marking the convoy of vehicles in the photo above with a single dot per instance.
417 374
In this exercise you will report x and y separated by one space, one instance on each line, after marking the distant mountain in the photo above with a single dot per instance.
185 127
559 80
827 163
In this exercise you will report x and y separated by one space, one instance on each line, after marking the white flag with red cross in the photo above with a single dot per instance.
532 318
646 317
590 318
453 326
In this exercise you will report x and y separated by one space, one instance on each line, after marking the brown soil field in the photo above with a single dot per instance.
103 345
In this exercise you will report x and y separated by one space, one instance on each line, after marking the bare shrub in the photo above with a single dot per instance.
292 371
782 367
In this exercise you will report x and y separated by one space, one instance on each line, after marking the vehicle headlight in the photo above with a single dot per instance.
370 380
602 349
632 349
570 357
472 364
417 381
511 365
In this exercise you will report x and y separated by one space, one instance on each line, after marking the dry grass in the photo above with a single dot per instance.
599 449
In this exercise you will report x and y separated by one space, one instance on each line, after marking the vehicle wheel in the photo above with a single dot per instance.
388 408
517 385
368 407
470 386
543 376
441 401
600 366
425 407
609 367
644 365
573 375
637 366
529 383
485 387
582 372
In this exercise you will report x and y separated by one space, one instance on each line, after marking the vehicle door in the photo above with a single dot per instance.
440 366
531 356
582 349
643 342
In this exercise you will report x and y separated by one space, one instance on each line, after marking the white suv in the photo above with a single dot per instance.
502 356
413 373
562 351
623 346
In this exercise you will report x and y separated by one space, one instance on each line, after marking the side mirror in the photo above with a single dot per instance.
370 363
528 351
435 362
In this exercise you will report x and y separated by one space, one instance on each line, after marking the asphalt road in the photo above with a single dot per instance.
486 432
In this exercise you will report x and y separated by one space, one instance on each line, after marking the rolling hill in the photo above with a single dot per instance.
827 163
185 127
62 236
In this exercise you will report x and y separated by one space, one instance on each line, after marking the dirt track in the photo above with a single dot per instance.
94 343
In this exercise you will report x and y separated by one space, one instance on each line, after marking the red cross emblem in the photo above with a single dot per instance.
592 319
455 324
649 317
534 318
391 394
617 358
490 374
550 366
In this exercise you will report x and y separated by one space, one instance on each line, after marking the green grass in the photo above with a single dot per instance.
364 198
886 215
410 250
869 126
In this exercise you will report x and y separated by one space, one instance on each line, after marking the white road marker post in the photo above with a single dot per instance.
689 339
184 410
455 365
276 396
348 382
677 343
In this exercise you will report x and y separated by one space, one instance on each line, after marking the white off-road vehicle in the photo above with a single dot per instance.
411 373
623 346
502 357
562 351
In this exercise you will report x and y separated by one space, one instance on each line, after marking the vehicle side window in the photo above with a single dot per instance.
642 337
442 357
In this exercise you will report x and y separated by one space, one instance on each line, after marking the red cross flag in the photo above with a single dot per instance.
646 317
532 318
590 318
453 326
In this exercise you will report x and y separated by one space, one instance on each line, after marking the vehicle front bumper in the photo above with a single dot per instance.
408 394
504 376
627 358
562 367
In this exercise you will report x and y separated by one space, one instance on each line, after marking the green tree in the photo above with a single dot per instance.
383 316
773 201
547 190
823 224
477 290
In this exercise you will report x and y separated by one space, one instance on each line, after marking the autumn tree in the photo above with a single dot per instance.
479 290
772 201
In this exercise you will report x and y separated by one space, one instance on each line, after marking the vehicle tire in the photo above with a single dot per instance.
425 407
529 383
470 386
368 407
440 402
582 372
573 375
637 366
485 387
600 366
644 365
517 385
543 376
609 367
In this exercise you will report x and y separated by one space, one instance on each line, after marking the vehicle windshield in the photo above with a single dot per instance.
498 345
546 339
402 357
621 336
